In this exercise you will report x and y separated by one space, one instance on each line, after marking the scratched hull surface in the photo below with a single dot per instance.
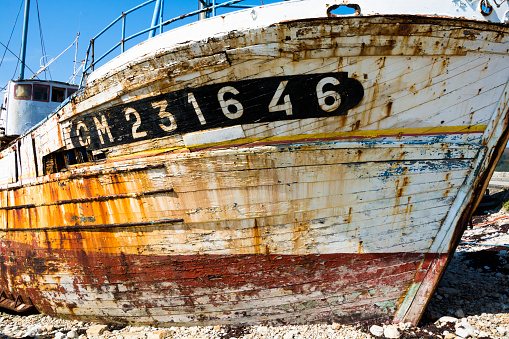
307 170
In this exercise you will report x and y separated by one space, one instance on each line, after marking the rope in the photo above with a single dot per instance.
492 221
484 224
475 243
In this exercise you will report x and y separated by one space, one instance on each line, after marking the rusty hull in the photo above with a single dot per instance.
341 217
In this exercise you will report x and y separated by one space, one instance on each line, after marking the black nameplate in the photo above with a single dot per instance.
212 106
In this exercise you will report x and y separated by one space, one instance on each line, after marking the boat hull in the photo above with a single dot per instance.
308 171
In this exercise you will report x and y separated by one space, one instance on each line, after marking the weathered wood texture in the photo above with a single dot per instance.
337 217
209 289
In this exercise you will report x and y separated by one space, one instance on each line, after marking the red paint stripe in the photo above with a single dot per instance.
324 286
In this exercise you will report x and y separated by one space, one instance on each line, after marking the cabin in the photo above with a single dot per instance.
28 102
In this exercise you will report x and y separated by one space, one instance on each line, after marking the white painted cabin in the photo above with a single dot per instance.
28 102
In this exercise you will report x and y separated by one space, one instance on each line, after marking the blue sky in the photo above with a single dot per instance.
61 21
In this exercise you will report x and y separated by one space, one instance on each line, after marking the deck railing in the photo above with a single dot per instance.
208 8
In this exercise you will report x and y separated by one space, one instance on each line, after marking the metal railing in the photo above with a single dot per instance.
208 8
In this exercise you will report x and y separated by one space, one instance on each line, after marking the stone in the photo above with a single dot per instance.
449 335
32 331
448 290
336 326
161 334
96 330
470 329
462 332
459 313
140 329
72 334
443 283
501 330
59 335
290 334
134 335
404 326
106 334
391 331
47 328
376 330
446 319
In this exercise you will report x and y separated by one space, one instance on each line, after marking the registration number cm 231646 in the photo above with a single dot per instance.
219 105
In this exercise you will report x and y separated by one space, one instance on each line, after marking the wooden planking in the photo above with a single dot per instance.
252 221
340 176
311 155
278 237
381 80
100 296
331 153
188 50
371 113
230 275
221 230
158 178
345 210
257 195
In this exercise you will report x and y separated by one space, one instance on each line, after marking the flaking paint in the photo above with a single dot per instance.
305 220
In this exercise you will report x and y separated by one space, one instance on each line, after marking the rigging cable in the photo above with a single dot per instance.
76 70
17 57
12 32
43 68
499 4
43 47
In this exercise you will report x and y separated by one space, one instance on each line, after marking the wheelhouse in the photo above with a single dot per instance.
28 102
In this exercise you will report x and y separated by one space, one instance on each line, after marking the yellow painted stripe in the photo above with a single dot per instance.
422 131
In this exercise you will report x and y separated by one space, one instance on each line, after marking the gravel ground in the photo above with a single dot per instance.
472 301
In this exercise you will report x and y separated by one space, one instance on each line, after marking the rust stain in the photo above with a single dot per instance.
300 235
400 190
348 219
403 29
96 255
256 238
359 155
356 125
388 109
408 206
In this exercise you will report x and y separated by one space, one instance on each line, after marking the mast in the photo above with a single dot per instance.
24 42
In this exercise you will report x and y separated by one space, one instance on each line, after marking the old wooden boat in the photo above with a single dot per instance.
279 163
